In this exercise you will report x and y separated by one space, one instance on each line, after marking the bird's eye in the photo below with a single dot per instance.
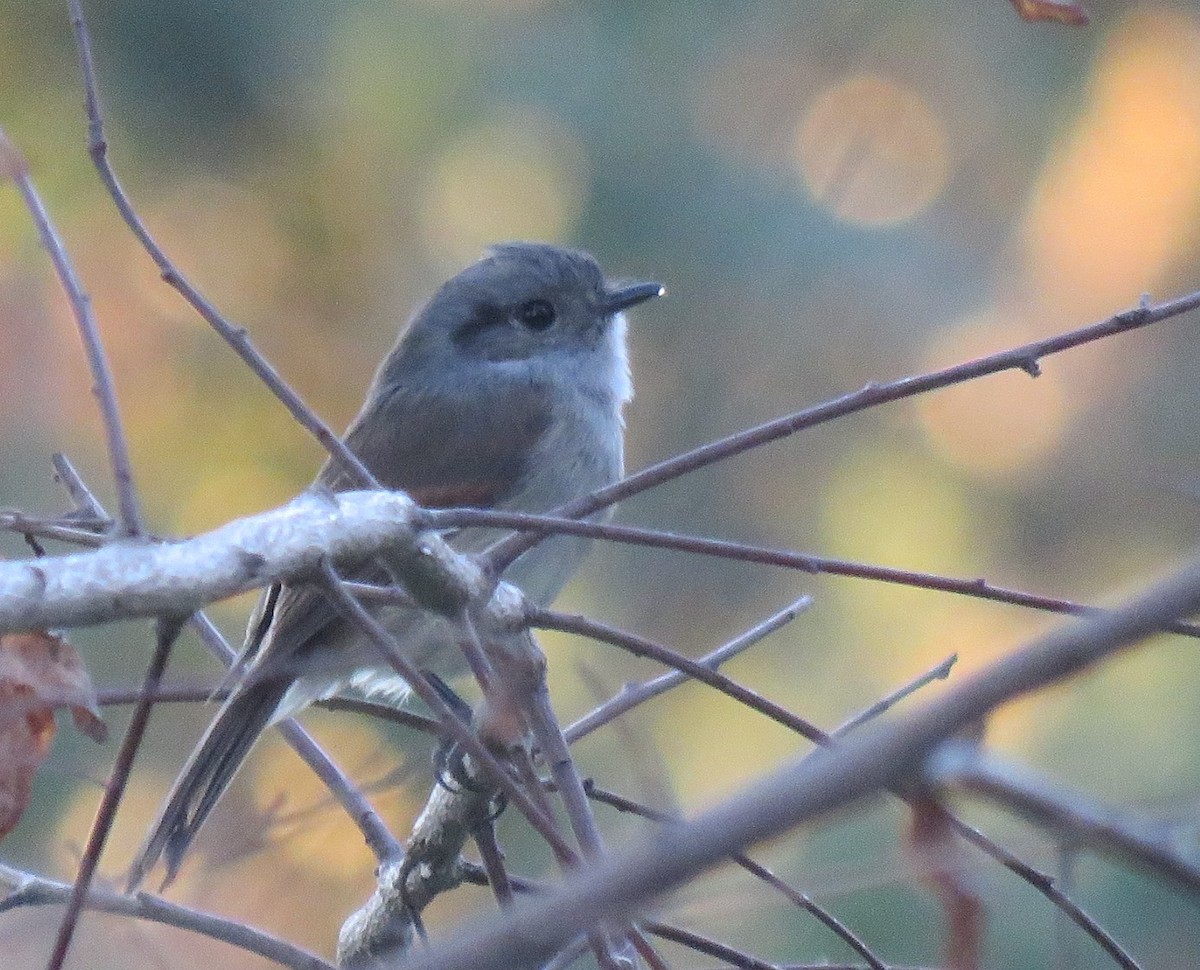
536 314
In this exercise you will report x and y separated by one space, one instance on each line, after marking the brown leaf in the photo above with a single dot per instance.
38 673
12 162
942 868
1056 11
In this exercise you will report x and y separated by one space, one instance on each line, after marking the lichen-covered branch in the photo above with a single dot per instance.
131 579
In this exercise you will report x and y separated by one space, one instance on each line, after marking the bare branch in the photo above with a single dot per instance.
882 754
976 588
1024 358
31 890
1045 885
122 580
759 871
703 944
387 925
641 647
781 715
60 529
384 712
518 702
166 632
557 755
376 834
939 672
493 862
634 694
645 950
236 337
567 955
1071 815
102 386
86 503
493 771
199 693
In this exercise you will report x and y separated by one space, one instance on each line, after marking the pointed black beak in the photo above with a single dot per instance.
623 297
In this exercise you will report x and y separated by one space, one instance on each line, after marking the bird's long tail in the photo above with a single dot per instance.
206 775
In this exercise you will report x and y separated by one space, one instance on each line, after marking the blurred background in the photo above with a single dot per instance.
833 194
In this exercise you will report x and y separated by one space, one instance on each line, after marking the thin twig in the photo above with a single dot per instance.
781 715
634 694
199 693
384 712
603 950
975 588
236 337
62 530
939 672
820 913
493 862
166 631
81 307
571 952
646 950
378 838
668 931
472 649
1045 885
703 944
823 965
883 755
374 593
759 871
376 834
567 955
549 737
641 647
393 653
1024 358
86 503
176 693
32 890
1144 841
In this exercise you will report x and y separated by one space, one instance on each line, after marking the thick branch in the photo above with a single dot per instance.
126 580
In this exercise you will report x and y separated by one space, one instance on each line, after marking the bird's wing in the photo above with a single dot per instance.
446 452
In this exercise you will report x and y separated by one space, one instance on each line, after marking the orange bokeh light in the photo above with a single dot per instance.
872 151
1001 425
1122 199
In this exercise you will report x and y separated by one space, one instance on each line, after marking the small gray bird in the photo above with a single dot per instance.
505 391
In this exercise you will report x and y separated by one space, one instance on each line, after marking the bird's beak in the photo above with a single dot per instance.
623 297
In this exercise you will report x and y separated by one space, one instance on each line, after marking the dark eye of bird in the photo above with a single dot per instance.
536 314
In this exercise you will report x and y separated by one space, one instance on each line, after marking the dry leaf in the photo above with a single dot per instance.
1056 11
38 673
942 867
12 162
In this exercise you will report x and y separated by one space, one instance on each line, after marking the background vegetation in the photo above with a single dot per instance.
833 193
